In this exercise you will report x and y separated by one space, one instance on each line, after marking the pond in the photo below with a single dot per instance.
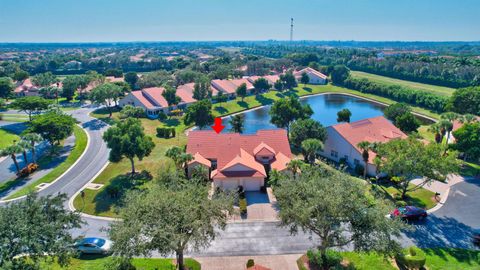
325 108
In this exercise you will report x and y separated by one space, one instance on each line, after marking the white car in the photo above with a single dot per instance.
94 245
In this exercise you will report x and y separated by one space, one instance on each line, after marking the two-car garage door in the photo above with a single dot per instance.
249 184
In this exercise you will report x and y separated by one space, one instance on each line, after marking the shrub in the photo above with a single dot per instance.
30 168
400 203
412 258
314 258
173 132
359 169
243 206
331 259
119 263
250 263
160 132
162 116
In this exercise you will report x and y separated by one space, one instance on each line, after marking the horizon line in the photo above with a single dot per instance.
259 40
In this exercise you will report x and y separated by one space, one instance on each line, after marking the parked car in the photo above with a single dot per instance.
94 245
409 213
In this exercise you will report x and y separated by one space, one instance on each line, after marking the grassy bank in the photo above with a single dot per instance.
7 138
98 263
80 145
434 89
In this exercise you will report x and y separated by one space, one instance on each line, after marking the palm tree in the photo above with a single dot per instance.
310 148
174 153
365 147
467 118
25 146
436 129
294 166
33 138
12 151
450 117
445 126
237 123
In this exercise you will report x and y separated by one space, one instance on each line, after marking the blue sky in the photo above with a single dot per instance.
161 20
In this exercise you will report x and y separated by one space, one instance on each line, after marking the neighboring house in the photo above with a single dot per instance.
271 79
342 140
456 125
229 87
316 77
153 102
239 160
150 99
26 88
113 79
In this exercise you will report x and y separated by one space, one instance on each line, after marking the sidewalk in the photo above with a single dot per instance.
274 262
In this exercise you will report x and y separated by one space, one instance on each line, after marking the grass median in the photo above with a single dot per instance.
81 140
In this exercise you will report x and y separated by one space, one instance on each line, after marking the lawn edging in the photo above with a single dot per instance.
60 176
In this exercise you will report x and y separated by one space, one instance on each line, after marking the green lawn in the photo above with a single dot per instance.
470 169
437 259
80 145
7 138
98 263
98 202
439 90
421 197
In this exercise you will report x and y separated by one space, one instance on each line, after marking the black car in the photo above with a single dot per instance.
409 213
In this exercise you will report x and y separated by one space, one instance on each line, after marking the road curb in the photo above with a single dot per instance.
65 172
441 203
72 198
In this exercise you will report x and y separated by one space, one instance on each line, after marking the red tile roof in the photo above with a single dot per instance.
376 129
24 85
230 149
230 86
185 92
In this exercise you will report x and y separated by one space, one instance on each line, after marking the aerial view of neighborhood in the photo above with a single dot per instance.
239 135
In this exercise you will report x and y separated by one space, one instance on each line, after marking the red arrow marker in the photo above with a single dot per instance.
218 127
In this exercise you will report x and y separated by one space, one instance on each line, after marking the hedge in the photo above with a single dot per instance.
166 132
398 93
412 258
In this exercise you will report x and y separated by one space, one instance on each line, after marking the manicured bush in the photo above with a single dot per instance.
412 258
162 116
250 263
331 259
160 132
243 206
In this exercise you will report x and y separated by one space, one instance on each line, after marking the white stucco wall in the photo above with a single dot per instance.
315 79
337 143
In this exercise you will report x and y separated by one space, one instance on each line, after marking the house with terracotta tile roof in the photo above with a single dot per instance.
229 87
150 99
342 140
271 79
316 77
26 88
234 159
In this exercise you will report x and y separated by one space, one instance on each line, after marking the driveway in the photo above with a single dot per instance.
453 223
